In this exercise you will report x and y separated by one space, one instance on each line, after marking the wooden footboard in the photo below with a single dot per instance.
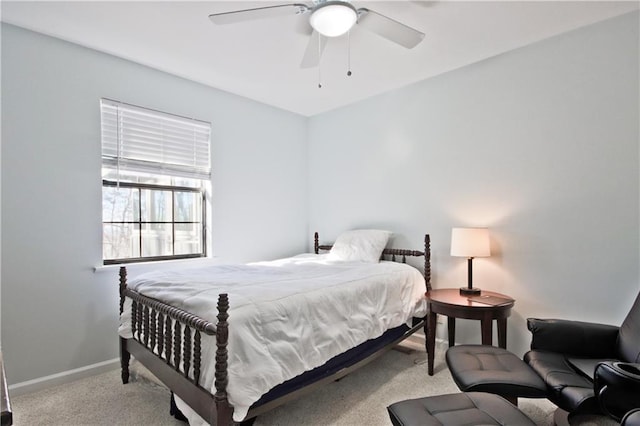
167 341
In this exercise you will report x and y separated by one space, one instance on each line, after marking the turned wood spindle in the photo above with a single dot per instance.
160 333
222 337
152 327
197 352
134 323
140 322
145 315
187 351
176 345
167 339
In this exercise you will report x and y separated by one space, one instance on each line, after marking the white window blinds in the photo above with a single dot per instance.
143 140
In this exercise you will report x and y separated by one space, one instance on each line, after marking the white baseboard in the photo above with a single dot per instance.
417 338
414 342
417 341
63 377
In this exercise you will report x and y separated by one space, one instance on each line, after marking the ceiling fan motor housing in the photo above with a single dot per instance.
333 18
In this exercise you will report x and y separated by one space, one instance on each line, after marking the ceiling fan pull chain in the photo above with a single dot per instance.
349 53
319 60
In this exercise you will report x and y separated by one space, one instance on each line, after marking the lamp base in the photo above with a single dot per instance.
466 291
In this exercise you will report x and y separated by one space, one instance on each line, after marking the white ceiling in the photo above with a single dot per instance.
260 59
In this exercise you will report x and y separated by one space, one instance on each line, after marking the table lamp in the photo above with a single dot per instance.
470 243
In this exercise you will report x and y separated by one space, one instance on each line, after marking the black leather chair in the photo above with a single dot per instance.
565 355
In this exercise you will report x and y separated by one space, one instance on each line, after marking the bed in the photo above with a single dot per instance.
219 370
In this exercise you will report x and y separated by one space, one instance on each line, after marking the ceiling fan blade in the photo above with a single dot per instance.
258 13
302 26
313 53
389 28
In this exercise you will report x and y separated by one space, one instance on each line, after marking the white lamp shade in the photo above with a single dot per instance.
470 242
333 18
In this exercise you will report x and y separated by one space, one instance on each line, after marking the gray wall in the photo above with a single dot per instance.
539 144
57 314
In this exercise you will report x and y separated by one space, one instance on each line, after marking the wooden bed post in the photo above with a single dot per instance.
123 286
427 261
427 280
223 408
125 356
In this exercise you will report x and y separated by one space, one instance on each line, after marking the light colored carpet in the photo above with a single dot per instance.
358 399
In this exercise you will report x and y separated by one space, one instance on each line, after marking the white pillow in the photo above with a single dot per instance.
363 245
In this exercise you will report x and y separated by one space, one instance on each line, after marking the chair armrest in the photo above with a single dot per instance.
582 339
617 387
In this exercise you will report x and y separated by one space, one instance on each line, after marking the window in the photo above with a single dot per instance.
155 178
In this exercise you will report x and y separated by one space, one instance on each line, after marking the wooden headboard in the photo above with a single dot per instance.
391 253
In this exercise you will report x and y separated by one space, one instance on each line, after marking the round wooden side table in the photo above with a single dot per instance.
486 307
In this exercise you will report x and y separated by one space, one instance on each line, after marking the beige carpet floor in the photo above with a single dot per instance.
358 399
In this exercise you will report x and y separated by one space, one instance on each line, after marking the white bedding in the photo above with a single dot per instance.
286 316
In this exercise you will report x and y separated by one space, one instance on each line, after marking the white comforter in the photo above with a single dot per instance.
286 316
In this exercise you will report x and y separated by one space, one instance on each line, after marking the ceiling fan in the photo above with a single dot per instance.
328 18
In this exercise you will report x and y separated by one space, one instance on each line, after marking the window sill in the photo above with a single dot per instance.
158 264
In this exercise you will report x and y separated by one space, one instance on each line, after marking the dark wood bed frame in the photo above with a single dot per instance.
176 336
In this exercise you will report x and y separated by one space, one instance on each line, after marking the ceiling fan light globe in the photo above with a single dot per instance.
333 18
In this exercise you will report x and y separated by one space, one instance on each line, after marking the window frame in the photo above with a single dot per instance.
159 187
137 139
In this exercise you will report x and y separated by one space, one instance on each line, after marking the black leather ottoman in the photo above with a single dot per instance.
458 409
478 368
